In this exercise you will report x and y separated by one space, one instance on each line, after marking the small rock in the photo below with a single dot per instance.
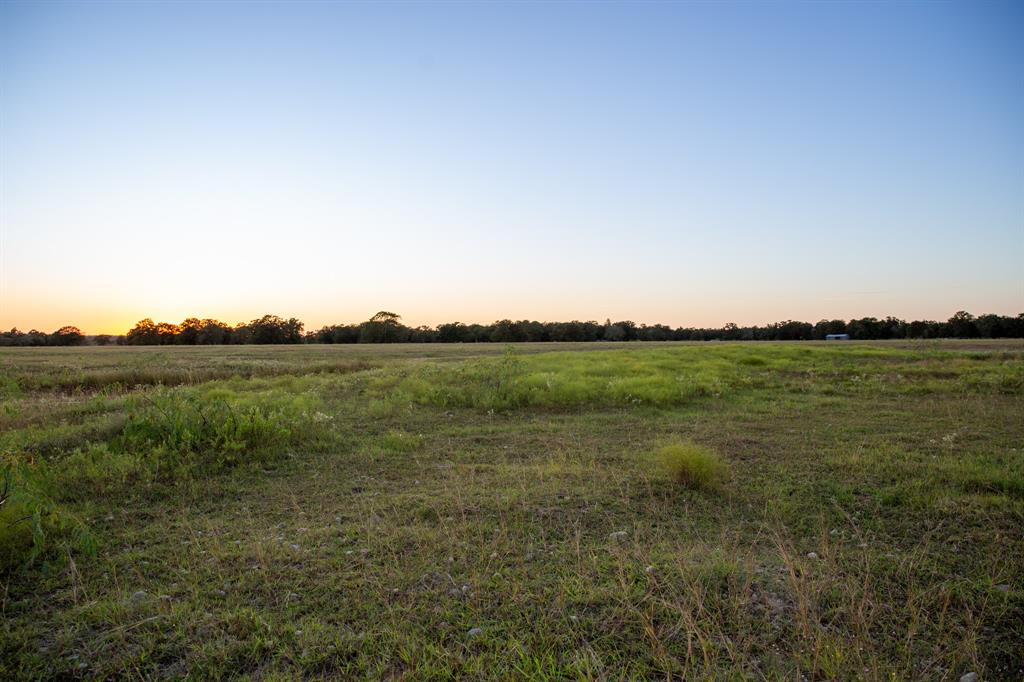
295 547
969 677
1003 588
619 535
494 555
649 570
475 632
220 593
138 596
812 555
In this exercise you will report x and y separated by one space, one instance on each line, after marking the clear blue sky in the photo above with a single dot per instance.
686 163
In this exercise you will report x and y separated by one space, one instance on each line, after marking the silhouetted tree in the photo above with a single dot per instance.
962 326
384 327
67 336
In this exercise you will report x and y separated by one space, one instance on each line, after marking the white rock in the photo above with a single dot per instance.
475 632
969 677
619 535
812 555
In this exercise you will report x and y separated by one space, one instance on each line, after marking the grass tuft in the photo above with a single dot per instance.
692 465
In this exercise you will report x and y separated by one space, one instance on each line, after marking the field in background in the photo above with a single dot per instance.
488 511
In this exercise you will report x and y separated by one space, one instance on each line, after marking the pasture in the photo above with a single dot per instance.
537 511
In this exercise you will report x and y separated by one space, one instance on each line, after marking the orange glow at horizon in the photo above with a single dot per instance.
93 318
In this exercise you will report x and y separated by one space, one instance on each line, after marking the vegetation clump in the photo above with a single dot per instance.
218 429
691 465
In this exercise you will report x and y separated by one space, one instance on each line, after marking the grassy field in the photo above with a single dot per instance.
725 511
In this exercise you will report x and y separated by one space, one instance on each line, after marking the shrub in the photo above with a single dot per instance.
692 465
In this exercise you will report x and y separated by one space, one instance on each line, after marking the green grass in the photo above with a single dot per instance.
359 511
691 465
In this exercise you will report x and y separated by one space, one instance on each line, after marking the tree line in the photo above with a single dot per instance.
387 327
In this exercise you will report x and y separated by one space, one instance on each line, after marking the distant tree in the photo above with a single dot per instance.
629 328
1013 327
273 329
213 332
34 337
241 334
534 331
864 328
386 327
67 336
383 327
144 333
962 326
507 331
922 329
167 333
422 334
825 327
894 328
452 332
990 326
14 337
188 331
613 332
657 332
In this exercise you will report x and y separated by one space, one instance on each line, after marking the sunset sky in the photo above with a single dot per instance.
686 163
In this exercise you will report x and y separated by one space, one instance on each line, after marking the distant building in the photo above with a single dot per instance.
837 337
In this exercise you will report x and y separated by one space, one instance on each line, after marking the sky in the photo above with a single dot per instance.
682 163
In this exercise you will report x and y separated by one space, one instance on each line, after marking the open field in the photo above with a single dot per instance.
481 511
